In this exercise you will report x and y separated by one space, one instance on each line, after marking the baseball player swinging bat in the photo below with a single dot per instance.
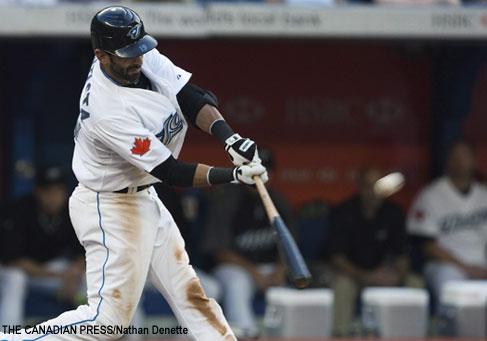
299 273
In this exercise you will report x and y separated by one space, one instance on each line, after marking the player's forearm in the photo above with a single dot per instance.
78 262
342 264
401 266
432 250
208 176
175 173
206 119
207 116
231 257
211 121
33 268
201 109
199 106
181 174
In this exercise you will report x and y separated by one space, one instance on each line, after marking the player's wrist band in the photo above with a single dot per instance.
219 175
221 130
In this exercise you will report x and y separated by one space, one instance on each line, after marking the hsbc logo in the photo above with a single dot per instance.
134 32
245 110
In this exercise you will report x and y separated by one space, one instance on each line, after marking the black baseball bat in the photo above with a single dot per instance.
297 268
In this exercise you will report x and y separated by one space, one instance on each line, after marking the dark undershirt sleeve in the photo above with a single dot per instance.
398 238
175 173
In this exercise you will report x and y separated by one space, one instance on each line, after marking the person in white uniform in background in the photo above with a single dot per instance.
450 216
134 112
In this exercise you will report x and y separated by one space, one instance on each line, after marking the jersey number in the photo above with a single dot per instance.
83 114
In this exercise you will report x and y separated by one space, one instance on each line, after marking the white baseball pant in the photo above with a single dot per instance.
13 291
437 274
127 238
15 284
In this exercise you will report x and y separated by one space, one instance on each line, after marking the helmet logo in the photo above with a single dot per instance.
135 31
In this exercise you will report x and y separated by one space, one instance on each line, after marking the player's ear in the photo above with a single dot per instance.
102 56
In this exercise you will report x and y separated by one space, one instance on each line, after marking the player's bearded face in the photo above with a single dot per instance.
126 69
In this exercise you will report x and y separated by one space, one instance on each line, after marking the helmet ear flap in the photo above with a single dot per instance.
95 41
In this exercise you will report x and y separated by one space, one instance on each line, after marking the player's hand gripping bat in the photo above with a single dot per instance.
298 271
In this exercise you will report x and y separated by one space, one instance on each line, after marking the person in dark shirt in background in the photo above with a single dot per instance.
41 245
368 247
242 244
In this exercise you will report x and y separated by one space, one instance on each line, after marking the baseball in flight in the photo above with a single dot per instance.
389 184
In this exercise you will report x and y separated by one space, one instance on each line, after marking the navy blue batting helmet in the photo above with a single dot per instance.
120 31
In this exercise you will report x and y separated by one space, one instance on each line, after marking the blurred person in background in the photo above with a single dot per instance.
10 277
450 216
241 242
368 247
40 247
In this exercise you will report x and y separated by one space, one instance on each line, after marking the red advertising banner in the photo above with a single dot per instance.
325 108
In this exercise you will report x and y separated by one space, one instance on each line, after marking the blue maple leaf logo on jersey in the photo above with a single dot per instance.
171 127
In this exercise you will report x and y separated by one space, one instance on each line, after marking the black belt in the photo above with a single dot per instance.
132 189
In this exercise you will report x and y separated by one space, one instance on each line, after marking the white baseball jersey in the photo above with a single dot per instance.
457 221
122 133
